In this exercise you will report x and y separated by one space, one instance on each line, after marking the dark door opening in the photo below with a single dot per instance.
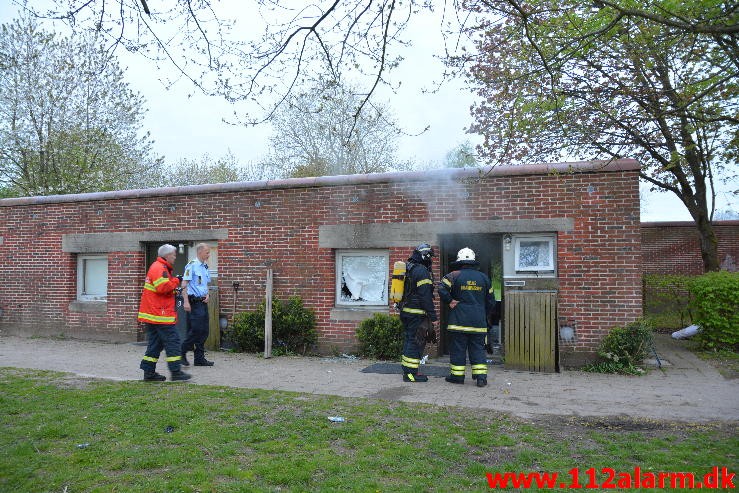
179 268
488 252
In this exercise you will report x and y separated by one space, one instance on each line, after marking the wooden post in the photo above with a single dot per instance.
268 317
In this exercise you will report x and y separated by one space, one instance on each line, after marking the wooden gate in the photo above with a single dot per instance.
530 330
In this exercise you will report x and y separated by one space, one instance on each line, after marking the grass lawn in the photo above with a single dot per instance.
62 433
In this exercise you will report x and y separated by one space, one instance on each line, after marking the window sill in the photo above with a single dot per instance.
88 306
357 313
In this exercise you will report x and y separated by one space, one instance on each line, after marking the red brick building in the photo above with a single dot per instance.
674 247
565 235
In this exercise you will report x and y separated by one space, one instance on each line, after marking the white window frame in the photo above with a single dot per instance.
536 268
340 254
81 295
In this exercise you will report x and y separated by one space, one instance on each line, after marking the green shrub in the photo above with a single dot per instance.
293 328
247 331
667 300
716 309
381 337
624 349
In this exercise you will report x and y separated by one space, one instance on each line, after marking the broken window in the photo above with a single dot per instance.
362 277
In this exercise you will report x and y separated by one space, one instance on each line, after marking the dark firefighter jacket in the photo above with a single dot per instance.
419 298
473 290
157 299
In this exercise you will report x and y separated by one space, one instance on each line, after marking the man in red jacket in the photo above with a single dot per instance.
159 315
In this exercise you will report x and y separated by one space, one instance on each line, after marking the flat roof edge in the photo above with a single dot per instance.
340 180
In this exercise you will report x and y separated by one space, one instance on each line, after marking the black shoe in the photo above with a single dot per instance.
180 375
153 377
205 362
410 377
451 379
183 360
481 382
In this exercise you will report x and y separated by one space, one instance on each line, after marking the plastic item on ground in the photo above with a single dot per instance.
688 331
336 419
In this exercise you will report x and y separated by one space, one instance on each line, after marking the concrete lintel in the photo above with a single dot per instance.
131 241
383 235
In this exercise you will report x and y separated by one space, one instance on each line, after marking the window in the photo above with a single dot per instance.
92 277
361 277
534 254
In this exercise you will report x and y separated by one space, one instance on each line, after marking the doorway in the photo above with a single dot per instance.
488 251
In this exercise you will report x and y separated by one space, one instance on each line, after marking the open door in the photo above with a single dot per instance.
488 252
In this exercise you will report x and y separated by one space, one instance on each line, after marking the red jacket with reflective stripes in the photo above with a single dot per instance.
157 299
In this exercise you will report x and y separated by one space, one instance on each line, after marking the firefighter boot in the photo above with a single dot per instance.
451 379
410 377
180 375
152 376
482 381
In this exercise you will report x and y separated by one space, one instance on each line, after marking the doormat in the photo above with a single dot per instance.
395 369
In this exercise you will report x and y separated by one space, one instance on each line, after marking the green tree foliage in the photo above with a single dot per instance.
610 80
320 132
462 156
68 121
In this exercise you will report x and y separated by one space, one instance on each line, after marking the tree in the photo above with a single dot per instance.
316 134
207 170
557 39
568 78
291 38
68 121
462 156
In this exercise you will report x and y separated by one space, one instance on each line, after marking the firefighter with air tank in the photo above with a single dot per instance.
413 286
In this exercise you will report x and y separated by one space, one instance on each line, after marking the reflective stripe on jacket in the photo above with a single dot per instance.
157 299
473 290
420 297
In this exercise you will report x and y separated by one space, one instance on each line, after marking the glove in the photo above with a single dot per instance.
431 334
179 277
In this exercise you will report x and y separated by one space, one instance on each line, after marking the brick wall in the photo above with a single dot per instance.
278 223
674 247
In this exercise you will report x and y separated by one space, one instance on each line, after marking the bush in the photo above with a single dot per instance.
624 349
293 328
716 309
381 337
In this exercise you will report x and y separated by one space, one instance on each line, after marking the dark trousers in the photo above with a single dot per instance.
412 350
197 330
462 343
161 337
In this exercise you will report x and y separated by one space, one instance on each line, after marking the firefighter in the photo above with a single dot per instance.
417 311
157 312
469 294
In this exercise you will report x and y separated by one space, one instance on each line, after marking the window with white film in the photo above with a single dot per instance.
92 277
361 277
534 254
